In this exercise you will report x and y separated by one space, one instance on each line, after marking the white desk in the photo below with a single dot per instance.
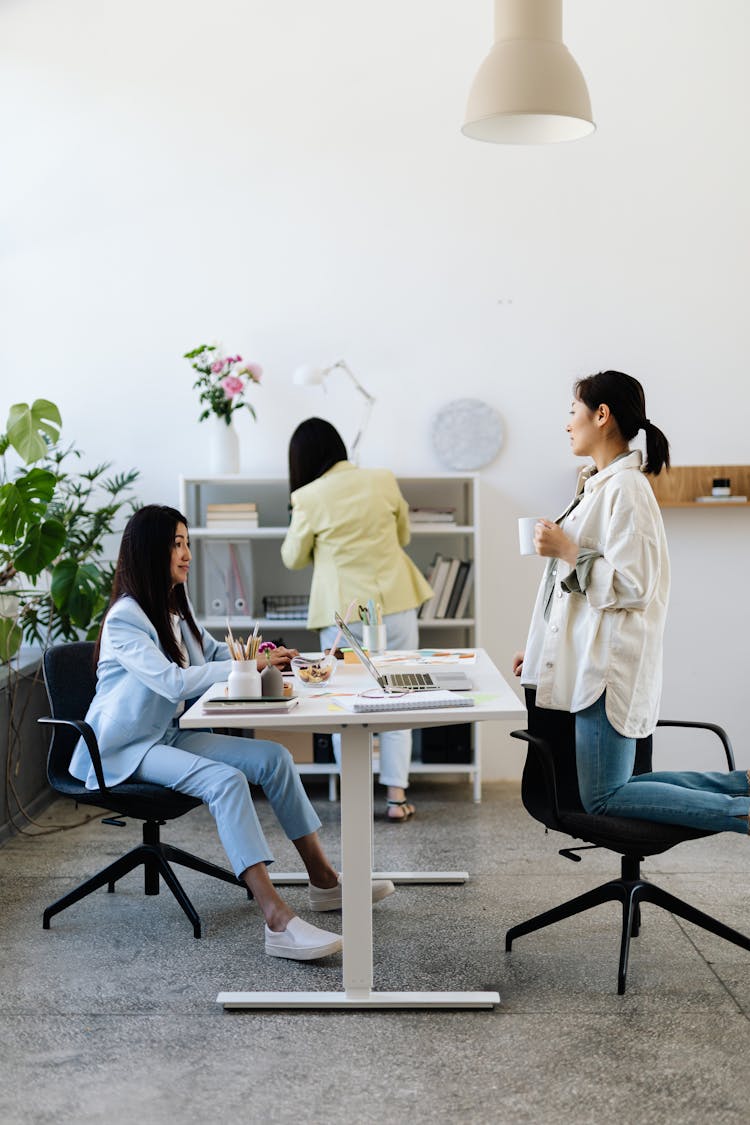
314 713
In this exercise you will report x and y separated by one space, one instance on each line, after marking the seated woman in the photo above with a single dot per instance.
152 656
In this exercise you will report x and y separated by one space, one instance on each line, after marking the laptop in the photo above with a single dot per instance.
397 682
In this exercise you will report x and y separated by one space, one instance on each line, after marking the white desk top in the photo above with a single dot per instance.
494 699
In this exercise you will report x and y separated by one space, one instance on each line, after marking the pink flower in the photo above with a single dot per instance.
232 386
253 371
266 646
218 365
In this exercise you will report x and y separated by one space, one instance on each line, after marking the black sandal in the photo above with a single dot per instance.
408 808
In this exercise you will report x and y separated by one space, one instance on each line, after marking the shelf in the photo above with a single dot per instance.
243 562
441 529
679 486
241 533
699 504
238 533
271 623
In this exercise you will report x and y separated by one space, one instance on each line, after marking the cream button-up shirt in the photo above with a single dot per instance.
353 524
610 637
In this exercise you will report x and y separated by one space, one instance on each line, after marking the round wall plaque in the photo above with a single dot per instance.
467 434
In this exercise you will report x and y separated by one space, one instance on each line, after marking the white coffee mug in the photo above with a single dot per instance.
526 526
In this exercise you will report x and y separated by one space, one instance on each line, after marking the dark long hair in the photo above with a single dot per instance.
314 448
144 572
627 403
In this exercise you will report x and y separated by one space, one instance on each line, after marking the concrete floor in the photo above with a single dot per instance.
110 1015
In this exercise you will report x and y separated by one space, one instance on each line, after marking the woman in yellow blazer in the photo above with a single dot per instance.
353 524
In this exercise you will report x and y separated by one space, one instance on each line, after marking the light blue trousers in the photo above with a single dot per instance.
217 768
718 802
401 631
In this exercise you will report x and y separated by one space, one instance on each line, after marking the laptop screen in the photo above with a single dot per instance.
356 647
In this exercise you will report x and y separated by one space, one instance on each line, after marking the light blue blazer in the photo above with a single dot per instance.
138 689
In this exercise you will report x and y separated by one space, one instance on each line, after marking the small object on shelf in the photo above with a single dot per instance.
285 607
241 516
721 486
432 515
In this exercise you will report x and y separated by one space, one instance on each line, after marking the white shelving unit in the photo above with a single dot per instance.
234 569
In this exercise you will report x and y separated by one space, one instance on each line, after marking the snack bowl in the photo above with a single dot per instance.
312 671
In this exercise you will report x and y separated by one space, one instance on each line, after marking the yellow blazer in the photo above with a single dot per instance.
352 524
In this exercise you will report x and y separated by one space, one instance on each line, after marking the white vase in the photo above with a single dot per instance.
244 680
224 446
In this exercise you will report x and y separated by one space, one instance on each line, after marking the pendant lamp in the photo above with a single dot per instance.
529 89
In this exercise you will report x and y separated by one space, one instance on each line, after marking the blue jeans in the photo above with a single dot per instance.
216 768
401 631
717 802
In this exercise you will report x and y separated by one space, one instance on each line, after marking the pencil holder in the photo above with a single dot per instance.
244 680
373 638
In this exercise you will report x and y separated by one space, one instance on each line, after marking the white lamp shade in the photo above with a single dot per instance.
307 375
529 89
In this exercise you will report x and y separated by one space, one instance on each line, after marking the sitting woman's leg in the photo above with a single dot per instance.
605 760
271 766
225 790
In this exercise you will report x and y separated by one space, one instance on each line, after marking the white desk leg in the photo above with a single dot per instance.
356 853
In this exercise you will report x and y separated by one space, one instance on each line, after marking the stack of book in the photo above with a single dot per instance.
451 579
432 515
241 516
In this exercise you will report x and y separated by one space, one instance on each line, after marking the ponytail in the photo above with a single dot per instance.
657 449
627 403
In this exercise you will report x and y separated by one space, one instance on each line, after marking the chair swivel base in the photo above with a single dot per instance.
630 890
154 857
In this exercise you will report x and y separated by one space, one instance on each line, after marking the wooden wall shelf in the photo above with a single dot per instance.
679 487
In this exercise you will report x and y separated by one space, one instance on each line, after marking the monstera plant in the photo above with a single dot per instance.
54 521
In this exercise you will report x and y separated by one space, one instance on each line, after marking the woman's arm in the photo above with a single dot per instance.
298 546
132 646
626 573
403 527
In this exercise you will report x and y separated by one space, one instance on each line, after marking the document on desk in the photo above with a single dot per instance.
406 701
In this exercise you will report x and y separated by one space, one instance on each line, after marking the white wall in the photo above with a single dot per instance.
290 179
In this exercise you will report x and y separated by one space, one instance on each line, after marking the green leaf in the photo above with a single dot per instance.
10 638
75 590
27 424
42 545
23 502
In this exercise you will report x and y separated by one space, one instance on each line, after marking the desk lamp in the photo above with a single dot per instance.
310 376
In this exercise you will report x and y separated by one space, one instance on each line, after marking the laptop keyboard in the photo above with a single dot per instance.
411 681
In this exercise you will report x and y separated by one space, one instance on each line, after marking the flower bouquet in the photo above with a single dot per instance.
222 382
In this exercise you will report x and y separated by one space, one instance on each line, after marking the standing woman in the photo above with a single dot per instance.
595 642
152 656
353 524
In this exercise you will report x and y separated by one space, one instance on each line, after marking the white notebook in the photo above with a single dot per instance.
409 701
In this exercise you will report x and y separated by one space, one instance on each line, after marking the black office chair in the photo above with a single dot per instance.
549 791
70 679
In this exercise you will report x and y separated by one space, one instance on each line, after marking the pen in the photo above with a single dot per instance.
380 614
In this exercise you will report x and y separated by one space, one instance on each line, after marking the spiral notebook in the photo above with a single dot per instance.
409 701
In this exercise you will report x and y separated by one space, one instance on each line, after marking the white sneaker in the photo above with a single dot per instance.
329 898
302 942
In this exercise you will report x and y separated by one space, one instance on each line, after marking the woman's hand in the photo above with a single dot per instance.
551 542
518 663
280 657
